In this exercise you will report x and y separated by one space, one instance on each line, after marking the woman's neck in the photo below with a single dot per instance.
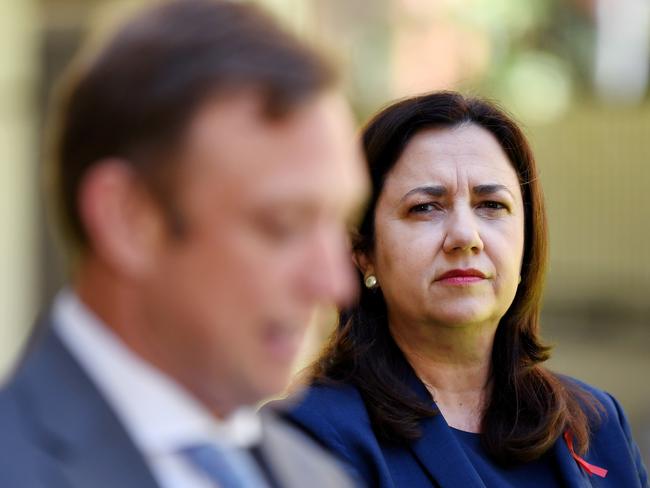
454 364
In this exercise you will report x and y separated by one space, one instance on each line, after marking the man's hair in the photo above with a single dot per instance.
135 97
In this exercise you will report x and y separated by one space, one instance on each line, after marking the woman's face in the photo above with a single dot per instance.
449 230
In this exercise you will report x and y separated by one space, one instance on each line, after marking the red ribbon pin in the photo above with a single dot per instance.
589 468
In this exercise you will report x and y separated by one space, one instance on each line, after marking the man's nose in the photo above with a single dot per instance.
329 276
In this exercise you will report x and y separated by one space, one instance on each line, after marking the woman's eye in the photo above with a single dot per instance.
492 205
423 208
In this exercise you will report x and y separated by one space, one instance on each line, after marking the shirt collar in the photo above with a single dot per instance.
160 415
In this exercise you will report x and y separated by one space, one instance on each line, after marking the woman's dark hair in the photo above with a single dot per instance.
530 407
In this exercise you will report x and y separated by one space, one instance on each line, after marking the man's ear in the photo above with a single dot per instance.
123 223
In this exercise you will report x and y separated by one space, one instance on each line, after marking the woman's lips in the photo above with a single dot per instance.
461 277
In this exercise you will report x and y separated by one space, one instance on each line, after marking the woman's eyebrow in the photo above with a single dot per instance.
491 189
433 191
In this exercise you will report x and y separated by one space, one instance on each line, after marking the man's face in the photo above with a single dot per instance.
264 205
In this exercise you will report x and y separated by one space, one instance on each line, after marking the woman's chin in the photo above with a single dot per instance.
463 318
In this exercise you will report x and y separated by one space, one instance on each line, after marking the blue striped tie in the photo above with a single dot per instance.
229 467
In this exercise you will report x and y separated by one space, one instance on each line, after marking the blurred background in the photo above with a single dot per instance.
573 72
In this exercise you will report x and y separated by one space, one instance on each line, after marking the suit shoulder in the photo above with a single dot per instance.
612 444
323 397
21 460
13 414
339 405
335 416
607 403
608 419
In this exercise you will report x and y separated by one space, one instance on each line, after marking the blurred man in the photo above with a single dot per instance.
204 165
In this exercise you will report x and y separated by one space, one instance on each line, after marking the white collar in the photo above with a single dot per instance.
159 414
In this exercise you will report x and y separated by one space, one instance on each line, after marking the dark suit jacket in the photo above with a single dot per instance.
57 431
338 418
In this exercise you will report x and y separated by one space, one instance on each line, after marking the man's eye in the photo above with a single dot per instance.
278 230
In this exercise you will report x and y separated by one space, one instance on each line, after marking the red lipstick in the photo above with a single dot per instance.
461 277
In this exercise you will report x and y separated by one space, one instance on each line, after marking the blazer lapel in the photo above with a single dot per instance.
572 475
78 429
438 450
294 461
442 456
274 449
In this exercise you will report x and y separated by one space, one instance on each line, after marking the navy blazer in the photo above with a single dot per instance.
58 431
336 416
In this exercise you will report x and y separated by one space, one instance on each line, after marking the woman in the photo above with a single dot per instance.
435 378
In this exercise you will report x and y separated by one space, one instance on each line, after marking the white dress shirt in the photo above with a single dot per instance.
160 416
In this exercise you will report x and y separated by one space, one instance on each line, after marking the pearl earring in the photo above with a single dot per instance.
370 281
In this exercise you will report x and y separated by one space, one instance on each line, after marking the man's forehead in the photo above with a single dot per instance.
233 131
311 153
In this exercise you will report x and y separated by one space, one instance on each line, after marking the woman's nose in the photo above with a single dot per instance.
462 232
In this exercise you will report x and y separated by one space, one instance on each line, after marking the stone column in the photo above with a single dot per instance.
18 177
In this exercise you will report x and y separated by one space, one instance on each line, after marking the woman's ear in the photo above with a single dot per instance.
367 268
363 262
